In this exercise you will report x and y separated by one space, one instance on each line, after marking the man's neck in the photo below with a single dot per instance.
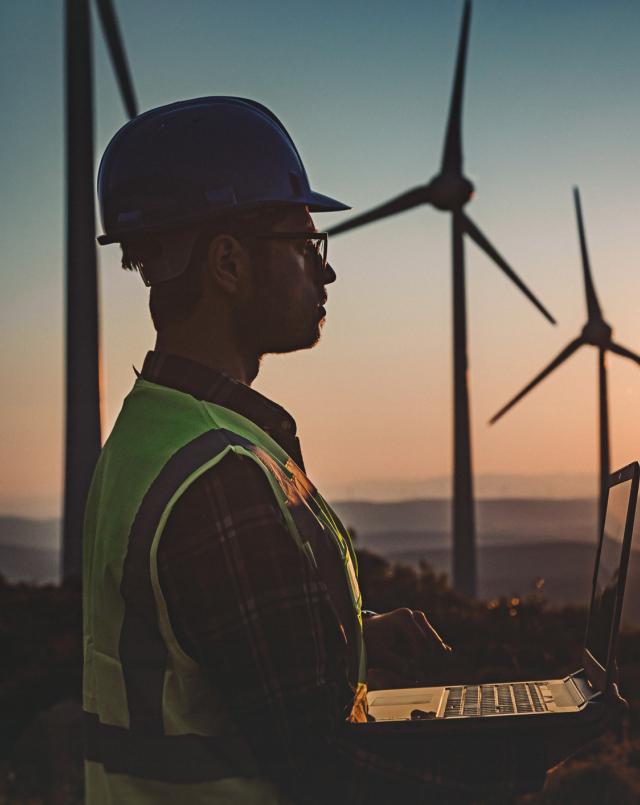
229 361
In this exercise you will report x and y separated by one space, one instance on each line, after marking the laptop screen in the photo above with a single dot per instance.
606 583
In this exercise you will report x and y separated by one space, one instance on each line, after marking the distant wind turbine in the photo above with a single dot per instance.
82 436
596 333
449 191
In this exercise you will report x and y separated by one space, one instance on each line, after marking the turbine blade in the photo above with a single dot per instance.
593 308
566 353
406 201
452 153
483 243
118 56
624 352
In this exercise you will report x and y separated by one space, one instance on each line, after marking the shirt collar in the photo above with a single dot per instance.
217 387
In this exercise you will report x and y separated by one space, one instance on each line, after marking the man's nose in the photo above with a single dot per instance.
329 275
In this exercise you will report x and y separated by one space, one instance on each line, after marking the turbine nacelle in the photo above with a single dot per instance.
597 333
449 192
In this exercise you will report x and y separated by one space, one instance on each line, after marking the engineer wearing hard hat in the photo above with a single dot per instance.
224 635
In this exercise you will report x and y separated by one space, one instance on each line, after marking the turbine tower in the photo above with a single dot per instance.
597 333
449 191
82 433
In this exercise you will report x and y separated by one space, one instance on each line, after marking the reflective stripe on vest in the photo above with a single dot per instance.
150 715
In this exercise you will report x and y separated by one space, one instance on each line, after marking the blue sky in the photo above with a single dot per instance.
551 100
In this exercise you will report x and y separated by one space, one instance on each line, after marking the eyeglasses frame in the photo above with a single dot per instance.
323 237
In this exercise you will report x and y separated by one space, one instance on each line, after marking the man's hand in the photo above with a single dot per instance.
403 649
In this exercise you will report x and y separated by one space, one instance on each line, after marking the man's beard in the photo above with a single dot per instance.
275 327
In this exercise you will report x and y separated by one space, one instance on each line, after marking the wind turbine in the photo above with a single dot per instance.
449 191
598 334
82 432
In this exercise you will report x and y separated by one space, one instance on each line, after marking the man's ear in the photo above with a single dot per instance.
227 263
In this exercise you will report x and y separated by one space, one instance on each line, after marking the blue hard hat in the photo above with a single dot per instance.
192 160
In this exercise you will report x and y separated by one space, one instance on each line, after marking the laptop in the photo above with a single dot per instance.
534 703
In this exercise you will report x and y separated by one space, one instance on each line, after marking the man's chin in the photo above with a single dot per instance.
306 341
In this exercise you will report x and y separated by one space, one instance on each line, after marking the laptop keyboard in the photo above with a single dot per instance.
492 700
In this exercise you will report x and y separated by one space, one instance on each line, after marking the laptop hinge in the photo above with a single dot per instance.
580 687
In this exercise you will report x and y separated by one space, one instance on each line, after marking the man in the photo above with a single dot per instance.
223 628
224 637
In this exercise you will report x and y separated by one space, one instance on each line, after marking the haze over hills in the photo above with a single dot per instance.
525 547
23 532
498 486
425 521
406 531
428 522
520 542
30 549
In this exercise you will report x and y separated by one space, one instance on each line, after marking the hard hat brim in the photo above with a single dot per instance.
316 202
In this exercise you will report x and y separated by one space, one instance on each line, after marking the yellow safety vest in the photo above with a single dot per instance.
155 730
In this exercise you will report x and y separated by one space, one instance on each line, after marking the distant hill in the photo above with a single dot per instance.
559 486
409 522
486 486
519 540
29 549
498 521
24 532
35 565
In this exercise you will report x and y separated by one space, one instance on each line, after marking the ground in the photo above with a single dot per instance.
40 678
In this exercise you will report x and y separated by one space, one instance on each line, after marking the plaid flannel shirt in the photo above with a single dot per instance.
247 606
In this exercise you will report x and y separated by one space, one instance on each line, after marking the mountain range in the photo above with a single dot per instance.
525 546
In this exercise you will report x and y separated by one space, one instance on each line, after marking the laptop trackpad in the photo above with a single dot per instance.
407 703
562 694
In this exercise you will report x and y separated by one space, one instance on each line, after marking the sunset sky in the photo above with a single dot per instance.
552 100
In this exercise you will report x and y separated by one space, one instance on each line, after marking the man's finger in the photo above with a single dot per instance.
426 627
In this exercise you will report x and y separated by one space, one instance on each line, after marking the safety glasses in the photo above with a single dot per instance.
315 242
